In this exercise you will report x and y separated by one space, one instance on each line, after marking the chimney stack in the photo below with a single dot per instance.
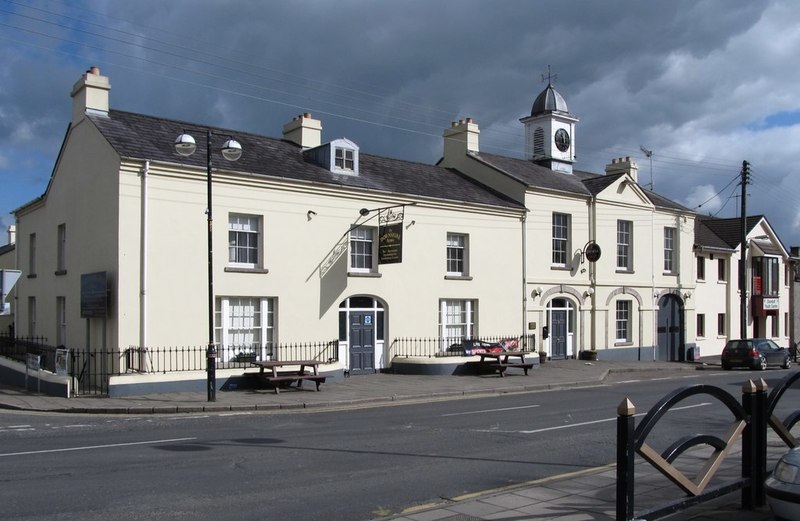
90 95
304 130
12 234
461 138
623 166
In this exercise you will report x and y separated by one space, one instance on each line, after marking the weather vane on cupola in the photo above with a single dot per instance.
550 77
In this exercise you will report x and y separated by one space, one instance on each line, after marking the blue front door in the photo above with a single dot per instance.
362 342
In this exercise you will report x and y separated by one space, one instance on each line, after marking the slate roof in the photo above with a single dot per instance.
579 182
138 136
729 231
531 174
703 236
6 248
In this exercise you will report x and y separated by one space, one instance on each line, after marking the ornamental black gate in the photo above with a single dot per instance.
751 417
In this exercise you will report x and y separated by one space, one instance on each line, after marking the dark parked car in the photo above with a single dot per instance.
754 353
783 487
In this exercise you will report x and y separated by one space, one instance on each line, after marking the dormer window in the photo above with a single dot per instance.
344 159
340 156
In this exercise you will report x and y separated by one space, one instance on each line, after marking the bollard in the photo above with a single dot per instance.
625 459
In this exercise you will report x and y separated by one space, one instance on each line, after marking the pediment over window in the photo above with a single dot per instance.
340 156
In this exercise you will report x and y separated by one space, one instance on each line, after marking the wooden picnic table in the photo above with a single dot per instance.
275 377
499 360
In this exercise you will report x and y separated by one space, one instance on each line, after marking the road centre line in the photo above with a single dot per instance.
491 410
581 424
92 447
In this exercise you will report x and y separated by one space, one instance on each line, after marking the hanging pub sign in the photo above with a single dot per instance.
390 236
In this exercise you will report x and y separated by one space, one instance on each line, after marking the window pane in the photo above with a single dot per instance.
623 320
456 246
669 247
243 235
560 238
457 320
623 245
361 245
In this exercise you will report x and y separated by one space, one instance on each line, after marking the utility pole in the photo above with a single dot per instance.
743 254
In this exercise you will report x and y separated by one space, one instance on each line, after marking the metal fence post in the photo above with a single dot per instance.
760 438
625 459
749 441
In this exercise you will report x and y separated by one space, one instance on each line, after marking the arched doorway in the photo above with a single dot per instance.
362 330
561 328
670 329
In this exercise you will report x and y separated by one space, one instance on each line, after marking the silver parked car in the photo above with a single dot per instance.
783 487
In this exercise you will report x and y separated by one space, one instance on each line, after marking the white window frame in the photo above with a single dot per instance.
363 254
701 268
240 226
457 254
344 159
624 312
560 242
669 249
61 321
61 257
230 321
624 245
457 320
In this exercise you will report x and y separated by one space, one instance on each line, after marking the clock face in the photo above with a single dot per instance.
562 140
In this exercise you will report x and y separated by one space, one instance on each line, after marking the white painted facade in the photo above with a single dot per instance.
143 223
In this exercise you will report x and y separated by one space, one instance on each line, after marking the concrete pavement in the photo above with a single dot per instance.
587 495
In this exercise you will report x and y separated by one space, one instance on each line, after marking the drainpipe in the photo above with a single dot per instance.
653 280
593 276
143 269
524 282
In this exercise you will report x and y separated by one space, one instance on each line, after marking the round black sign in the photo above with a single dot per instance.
592 252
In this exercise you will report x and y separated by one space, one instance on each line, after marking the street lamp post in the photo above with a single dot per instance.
231 150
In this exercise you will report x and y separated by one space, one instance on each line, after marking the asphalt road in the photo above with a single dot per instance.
325 465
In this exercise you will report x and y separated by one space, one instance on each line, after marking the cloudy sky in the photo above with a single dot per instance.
702 84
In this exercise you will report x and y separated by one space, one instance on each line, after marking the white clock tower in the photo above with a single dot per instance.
550 132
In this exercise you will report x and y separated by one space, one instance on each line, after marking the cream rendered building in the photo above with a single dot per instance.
295 252
634 301
768 278
8 261
575 263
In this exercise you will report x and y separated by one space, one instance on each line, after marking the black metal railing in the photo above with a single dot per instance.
749 425
452 346
18 348
90 369
193 358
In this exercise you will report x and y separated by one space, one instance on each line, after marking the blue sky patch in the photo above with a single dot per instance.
786 118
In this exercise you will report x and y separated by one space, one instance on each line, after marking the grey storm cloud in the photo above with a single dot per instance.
693 81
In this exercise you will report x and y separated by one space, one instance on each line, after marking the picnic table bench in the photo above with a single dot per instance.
500 361
275 377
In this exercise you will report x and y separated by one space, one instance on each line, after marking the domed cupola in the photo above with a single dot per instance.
550 131
549 101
